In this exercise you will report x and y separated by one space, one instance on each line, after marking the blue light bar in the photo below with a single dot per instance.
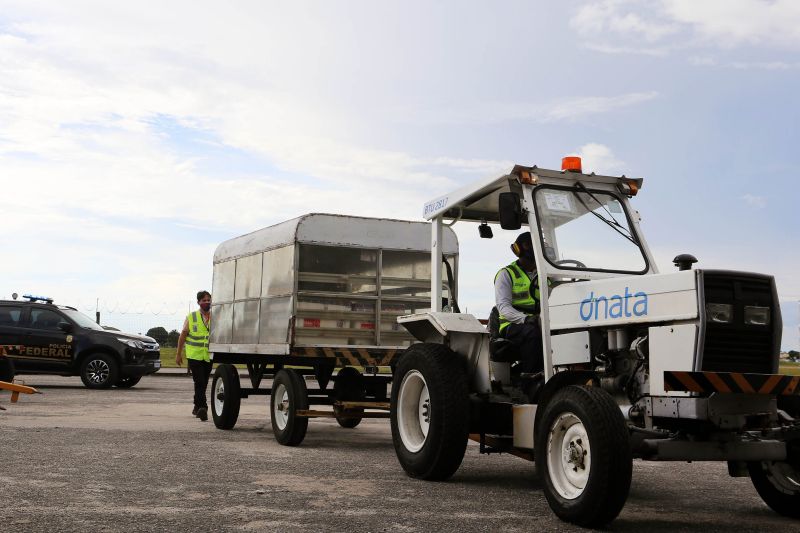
32 298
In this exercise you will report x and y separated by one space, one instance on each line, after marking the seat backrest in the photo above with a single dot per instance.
494 323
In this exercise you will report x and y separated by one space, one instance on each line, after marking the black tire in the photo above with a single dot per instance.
99 371
128 382
226 396
289 429
575 413
6 370
349 386
778 484
440 375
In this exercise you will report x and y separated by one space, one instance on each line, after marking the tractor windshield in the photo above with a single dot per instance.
588 230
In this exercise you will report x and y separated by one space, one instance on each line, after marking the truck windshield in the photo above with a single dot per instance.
81 319
589 230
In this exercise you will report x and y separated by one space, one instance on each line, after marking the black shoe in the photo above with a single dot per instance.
202 413
532 386
194 411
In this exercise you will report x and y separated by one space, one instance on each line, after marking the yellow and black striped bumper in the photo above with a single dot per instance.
732 382
351 356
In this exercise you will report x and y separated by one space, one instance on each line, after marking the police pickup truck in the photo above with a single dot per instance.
39 337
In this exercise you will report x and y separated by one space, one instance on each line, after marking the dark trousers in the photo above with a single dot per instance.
201 370
528 337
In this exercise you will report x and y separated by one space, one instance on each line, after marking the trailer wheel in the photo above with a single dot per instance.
349 386
583 454
6 370
430 411
778 483
226 396
289 394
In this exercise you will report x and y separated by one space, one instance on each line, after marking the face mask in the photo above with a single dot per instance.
205 306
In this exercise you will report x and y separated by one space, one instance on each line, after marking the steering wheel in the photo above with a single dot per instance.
571 261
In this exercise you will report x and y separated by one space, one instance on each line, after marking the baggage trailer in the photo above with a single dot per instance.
306 297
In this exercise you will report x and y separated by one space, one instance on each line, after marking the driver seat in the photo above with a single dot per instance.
501 350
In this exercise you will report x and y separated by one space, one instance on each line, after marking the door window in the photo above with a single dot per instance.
9 315
45 319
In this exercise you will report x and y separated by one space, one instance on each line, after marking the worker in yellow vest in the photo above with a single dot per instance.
516 291
194 336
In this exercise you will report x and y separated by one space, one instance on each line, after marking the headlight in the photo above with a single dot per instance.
132 343
720 313
756 316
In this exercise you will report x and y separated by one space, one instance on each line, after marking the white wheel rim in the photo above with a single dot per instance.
569 457
280 407
219 396
783 477
413 411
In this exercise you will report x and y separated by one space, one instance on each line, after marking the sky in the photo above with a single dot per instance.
135 137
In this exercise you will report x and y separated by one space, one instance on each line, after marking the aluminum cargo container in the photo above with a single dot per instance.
306 296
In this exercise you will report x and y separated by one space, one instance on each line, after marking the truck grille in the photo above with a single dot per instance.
736 346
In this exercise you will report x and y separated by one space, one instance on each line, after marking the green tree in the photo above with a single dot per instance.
172 338
159 334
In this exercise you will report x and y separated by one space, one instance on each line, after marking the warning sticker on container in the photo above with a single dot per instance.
311 322
367 325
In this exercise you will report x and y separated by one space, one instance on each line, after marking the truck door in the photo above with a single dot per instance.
10 330
46 346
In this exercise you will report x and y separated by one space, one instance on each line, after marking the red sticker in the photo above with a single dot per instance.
311 322
367 325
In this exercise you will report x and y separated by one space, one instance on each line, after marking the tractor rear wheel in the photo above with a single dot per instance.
430 411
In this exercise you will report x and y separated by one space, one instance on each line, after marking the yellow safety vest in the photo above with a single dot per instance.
197 339
521 297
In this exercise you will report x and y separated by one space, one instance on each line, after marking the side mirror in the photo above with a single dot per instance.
66 327
510 212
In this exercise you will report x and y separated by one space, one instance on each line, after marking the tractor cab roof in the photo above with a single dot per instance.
479 201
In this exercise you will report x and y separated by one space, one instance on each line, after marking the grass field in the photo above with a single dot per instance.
787 367
168 358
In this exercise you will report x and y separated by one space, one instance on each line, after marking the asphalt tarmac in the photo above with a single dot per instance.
136 460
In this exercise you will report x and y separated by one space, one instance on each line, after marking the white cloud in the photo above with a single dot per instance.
570 109
604 48
596 157
765 65
759 202
620 17
574 108
621 26
728 23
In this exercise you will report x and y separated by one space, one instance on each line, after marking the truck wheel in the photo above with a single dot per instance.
778 484
6 370
226 396
128 382
430 411
583 454
289 394
349 386
99 371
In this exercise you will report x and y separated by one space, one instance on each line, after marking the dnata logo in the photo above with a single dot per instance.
616 306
